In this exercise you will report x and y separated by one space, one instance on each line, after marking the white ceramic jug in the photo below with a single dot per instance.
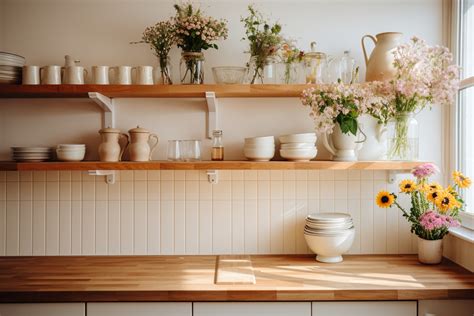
140 149
110 149
375 146
380 63
342 146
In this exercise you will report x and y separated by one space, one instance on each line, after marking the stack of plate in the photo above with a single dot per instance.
32 154
259 148
298 147
329 235
10 68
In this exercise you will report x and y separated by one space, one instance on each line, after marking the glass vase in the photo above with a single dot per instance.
288 73
163 76
403 137
191 68
262 70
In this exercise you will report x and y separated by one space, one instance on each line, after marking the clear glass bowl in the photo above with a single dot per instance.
229 75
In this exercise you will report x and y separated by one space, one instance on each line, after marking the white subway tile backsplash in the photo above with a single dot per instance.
180 212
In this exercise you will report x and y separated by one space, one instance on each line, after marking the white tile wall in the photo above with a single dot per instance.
179 212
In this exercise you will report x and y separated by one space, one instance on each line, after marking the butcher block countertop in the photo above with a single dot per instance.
193 278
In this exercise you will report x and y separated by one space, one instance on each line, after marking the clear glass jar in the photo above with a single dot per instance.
191 68
402 132
262 71
289 73
217 153
163 75
316 66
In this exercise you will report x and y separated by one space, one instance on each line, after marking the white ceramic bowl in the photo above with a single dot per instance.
329 249
71 146
297 145
70 155
298 138
299 154
263 140
260 153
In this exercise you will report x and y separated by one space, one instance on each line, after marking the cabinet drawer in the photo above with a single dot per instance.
446 308
139 309
364 308
252 309
43 309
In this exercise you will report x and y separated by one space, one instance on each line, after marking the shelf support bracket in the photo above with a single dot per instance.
109 175
212 123
392 175
213 176
107 105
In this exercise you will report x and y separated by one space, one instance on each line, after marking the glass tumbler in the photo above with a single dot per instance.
191 150
174 150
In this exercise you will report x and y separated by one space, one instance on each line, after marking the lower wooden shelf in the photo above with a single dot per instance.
209 165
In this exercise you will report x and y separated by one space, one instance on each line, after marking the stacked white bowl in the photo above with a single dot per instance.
298 147
329 235
259 148
71 152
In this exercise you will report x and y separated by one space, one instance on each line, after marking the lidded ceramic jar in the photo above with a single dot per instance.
139 148
110 149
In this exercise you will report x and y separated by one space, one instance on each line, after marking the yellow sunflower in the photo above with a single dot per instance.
407 186
461 180
385 199
433 195
446 201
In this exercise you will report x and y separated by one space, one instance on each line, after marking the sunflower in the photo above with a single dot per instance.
433 195
385 199
461 180
446 201
407 186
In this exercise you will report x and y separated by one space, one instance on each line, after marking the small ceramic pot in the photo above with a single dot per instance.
430 251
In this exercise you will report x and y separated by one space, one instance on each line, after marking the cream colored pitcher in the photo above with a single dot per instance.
139 148
380 63
109 149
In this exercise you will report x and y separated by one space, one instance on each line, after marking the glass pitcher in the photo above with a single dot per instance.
316 66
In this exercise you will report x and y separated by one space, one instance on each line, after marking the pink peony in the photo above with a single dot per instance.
424 171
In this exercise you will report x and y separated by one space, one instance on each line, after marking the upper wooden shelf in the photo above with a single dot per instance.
151 91
208 165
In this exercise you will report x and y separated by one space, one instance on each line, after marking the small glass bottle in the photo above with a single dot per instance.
217 153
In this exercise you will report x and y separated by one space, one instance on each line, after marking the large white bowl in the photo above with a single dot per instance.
329 249
297 145
70 155
298 138
263 140
71 146
260 153
299 154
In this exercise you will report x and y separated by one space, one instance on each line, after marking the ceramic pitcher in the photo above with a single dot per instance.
110 149
375 146
380 63
139 148
343 147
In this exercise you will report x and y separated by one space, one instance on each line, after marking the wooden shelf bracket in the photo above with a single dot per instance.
109 175
107 105
212 106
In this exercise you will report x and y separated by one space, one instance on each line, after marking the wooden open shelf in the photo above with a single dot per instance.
208 165
151 91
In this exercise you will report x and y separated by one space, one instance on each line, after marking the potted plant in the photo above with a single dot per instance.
433 210
161 38
335 109
423 75
195 33
264 43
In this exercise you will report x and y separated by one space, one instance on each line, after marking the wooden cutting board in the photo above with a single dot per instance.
234 270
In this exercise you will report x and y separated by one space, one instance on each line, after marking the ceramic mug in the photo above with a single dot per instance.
100 74
74 75
121 74
31 75
143 75
50 74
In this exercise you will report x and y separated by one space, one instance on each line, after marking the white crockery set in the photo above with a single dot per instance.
32 154
259 148
329 235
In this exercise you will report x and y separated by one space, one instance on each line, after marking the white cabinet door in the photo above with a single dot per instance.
139 309
382 308
252 309
446 308
43 309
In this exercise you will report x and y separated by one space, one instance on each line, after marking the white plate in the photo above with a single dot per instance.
329 216
31 149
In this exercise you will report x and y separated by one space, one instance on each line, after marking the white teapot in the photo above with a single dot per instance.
139 148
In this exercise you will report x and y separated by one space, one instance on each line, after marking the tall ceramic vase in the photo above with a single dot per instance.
343 147
375 146
430 251
380 63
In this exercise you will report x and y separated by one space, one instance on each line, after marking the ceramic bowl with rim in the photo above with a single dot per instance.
70 155
259 153
229 74
299 154
71 146
329 248
297 145
298 138
262 140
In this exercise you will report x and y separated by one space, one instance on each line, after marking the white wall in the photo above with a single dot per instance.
98 32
